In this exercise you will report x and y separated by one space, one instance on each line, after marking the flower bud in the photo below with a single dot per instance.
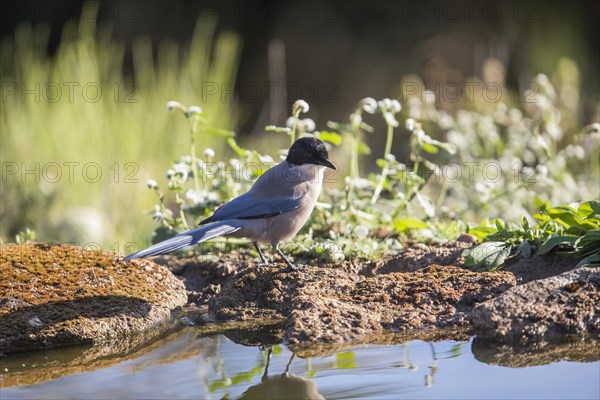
300 105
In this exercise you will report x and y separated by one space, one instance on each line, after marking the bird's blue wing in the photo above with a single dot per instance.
247 206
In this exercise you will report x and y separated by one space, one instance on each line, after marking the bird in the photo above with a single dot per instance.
274 209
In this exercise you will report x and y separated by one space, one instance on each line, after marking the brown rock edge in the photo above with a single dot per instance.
53 295
331 305
543 310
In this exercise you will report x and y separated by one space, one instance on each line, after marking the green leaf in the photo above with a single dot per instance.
569 218
363 148
588 244
234 146
489 254
499 224
525 223
405 224
217 385
429 148
345 360
591 261
426 203
273 128
242 377
524 249
331 137
554 241
589 208
366 127
481 232
218 131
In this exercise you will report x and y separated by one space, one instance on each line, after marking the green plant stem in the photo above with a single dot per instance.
384 170
294 126
354 159
193 132
181 213
354 173
442 195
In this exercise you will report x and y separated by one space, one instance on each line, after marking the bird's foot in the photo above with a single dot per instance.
291 268
262 264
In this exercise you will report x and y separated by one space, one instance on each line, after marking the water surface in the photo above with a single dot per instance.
189 365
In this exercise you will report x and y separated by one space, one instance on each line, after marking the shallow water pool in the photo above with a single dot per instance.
188 365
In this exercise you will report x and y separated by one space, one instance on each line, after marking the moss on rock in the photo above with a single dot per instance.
56 294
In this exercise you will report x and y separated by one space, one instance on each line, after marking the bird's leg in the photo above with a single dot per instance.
266 373
291 267
287 367
260 253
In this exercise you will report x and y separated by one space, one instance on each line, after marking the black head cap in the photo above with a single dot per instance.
309 150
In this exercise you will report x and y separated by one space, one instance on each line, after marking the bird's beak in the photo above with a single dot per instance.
328 163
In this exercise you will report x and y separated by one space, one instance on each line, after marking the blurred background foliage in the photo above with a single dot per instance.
245 63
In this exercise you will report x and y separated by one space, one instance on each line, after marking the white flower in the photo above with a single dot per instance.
515 114
181 169
429 96
194 110
266 159
195 196
355 119
289 122
420 135
361 183
410 124
385 104
542 170
307 124
369 104
186 159
361 231
236 164
209 153
212 197
396 107
175 104
300 105
389 118
157 214
445 121
152 184
170 174
575 151
172 104
390 157
542 79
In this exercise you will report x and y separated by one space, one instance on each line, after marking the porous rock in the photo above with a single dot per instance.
543 310
52 295
330 305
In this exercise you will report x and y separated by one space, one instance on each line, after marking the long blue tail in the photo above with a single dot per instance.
192 237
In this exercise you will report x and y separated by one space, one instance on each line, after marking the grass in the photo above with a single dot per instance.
89 155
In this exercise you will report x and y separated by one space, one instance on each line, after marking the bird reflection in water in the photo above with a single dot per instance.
284 386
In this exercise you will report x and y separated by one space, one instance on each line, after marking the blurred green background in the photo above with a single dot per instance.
84 87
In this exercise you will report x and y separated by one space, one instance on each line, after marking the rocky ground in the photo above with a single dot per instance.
51 295
54 295
422 287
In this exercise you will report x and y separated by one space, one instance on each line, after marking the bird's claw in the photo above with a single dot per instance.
291 268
